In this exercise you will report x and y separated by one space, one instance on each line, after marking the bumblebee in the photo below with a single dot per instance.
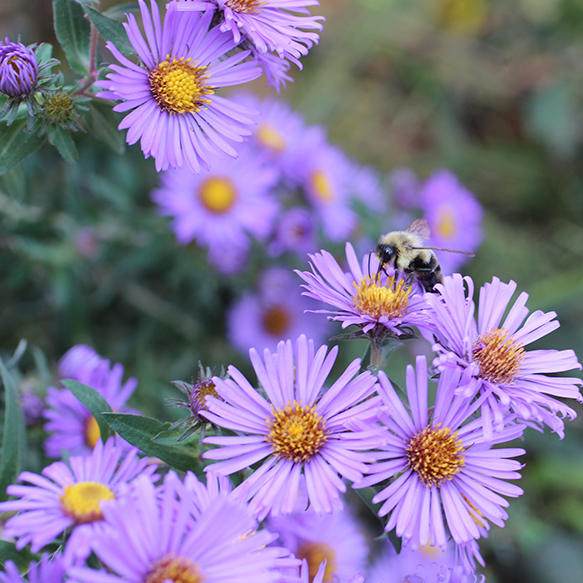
404 250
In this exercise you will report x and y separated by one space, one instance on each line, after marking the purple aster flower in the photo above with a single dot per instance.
71 426
219 209
325 176
379 304
492 353
71 496
294 232
18 69
177 114
306 437
442 464
405 188
47 570
149 537
275 68
366 187
277 312
271 25
337 538
454 217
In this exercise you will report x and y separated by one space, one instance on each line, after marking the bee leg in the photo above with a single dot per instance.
409 281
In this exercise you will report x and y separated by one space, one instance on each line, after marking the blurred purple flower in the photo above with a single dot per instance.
70 425
149 537
220 208
277 312
405 188
441 463
50 569
306 437
454 217
177 115
295 232
492 357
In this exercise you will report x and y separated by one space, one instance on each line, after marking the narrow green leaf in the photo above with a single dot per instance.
16 144
139 431
63 141
14 436
103 122
73 32
172 438
44 52
94 402
8 552
111 30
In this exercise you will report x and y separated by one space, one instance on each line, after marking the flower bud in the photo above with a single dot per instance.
18 69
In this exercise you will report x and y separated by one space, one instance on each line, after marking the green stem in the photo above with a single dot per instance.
375 354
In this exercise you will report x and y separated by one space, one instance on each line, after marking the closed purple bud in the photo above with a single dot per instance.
18 69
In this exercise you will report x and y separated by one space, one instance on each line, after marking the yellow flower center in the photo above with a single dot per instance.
81 501
198 395
269 137
296 432
245 6
322 186
435 455
315 553
276 320
218 195
92 432
375 300
179 86
498 356
446 225
174 569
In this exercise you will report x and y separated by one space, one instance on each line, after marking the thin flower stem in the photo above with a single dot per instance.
93 52
375 354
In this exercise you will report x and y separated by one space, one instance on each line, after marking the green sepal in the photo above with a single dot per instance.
140 431
94 402
14 435
16 144
73 32
111 30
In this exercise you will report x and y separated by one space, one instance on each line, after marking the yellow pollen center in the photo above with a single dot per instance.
498 356
201 390
81 501
322 186
296 432
375 300
218 195
269 137
435 455
179 86
245 6
315 553
276 320
174 569
92 432
446 225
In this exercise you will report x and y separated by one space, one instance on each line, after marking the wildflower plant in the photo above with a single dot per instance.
237 233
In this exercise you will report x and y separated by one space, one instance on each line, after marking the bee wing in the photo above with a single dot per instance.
419 228
450 250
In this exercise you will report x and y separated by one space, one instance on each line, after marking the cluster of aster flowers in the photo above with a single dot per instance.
271 502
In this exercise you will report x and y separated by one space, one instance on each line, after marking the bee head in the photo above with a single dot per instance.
386 254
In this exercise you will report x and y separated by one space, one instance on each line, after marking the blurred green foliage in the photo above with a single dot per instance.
491 89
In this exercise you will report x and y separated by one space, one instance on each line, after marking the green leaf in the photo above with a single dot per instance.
140 431
94 402
111 30
103 122
44 52
8 552
63 141
16 144
119 11
73 32
14 437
